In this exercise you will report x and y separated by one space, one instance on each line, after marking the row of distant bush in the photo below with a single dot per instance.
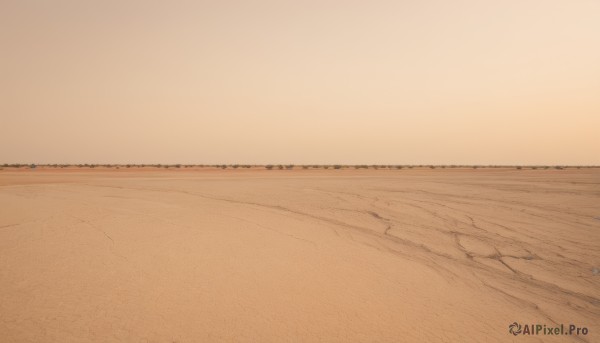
282 166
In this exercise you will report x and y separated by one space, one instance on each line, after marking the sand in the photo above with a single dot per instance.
190 255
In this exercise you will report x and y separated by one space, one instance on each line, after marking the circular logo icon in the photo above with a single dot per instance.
514 328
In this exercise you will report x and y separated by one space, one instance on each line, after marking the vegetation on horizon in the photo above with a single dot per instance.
292 166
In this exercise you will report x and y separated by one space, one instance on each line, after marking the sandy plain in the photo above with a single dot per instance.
146 255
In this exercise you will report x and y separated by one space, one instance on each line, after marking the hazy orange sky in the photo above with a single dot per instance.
444 82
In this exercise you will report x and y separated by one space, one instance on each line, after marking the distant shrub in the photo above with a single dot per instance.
337 166
519 167
289 166
559 168
304 167
269 166
280 167
235 166
432 167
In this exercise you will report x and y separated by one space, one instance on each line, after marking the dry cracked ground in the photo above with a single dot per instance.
297 256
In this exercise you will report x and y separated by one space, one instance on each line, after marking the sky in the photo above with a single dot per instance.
374 82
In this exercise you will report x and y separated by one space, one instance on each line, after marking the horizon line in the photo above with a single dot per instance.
248 165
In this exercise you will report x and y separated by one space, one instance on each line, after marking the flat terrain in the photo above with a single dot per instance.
142 255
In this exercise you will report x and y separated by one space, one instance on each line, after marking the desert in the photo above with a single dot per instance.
297 255
299 171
